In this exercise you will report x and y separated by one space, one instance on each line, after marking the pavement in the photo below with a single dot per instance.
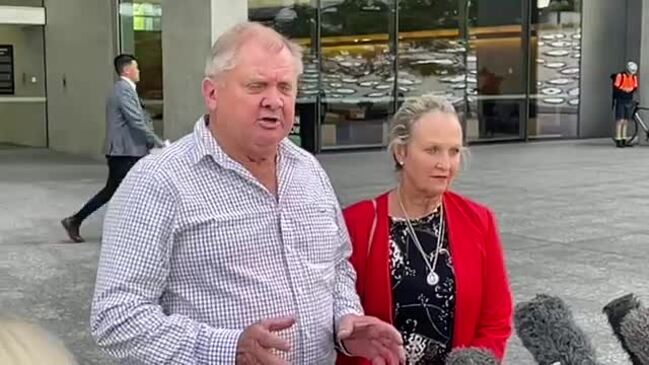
571 216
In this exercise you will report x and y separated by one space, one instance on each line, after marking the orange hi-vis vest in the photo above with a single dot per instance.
626 82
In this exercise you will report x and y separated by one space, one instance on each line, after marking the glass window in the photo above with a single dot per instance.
432 53
358 73
555 47
141 35
496 57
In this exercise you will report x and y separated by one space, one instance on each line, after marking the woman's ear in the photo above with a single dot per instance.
400 154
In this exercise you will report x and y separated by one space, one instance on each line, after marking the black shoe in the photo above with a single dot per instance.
71 226
619 143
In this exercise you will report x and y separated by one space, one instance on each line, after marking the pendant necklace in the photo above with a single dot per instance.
432 278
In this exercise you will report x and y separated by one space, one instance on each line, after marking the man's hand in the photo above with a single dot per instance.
257 342
371 338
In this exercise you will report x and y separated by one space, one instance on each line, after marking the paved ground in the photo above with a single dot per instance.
573 218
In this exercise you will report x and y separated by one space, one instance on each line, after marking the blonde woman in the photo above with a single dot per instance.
24 343
429 260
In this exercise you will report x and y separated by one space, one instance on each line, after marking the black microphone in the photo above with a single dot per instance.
616 311
546 328
471 356
635 331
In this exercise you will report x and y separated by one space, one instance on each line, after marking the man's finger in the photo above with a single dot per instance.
353 323
270 340
378 361
386 353
400 351
267 358
390 333
277 324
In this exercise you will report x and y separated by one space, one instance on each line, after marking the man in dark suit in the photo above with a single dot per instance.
129 137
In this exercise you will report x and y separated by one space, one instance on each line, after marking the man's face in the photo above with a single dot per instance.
132 71
254 103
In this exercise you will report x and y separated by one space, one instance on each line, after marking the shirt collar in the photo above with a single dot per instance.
206 145
130 82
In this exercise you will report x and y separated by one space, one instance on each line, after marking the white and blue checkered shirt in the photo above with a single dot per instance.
195 249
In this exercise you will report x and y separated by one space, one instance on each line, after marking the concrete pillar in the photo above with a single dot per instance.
603 52
80 43
643 61
189 29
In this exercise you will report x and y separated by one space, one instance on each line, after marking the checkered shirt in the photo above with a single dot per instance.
195 249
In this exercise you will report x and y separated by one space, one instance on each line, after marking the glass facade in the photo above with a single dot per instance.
511 67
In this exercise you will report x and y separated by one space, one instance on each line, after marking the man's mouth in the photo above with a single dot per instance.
269 122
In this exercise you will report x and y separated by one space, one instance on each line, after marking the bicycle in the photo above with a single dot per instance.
632 126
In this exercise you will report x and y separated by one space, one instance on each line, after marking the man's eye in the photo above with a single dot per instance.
256 86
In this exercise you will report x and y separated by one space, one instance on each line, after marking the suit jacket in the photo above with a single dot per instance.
483 305
128 127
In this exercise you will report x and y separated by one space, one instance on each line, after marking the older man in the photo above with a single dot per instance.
229 246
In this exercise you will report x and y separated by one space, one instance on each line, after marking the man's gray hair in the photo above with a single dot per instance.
224 51
409 113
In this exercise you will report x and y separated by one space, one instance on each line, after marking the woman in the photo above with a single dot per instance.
25 343
428 260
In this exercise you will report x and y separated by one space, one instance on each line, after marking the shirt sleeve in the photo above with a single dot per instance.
346 299
127 320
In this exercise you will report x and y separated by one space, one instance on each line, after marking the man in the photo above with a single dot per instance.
129 137
229 247
625 85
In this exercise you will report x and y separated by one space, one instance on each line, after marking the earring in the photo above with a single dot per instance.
400 163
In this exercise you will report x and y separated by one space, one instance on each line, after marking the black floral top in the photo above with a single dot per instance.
422 313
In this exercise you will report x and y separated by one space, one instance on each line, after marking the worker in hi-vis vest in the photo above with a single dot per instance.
624 86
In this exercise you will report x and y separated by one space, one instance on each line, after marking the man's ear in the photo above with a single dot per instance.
209 89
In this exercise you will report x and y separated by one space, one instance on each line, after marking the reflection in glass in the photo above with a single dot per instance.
364 57
431 54
496 58
555 40
357 72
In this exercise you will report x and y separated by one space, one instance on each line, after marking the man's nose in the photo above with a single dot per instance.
272 100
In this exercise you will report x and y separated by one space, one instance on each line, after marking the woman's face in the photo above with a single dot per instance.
432 157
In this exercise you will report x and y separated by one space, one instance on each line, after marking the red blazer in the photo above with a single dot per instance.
483 305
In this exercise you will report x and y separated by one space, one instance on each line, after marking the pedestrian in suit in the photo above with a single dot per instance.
129 137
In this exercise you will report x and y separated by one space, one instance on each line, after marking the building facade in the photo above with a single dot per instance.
515 69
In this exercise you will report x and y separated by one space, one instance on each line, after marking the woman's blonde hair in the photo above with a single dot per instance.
24 343
408 114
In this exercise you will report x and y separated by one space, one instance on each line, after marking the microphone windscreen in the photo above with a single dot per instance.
616 310
546 328
635 331
471 356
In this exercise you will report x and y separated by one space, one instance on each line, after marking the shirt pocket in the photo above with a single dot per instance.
319 241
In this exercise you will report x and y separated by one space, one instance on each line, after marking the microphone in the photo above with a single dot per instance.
616 311
547 330
635 331
471 356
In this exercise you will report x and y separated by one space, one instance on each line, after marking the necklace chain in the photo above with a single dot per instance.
414 234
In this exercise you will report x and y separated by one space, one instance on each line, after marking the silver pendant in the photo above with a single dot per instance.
432 279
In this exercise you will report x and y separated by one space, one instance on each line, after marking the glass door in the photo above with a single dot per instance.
555 48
